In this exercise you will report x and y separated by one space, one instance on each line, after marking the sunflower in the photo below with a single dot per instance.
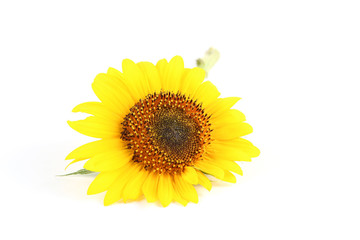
162 130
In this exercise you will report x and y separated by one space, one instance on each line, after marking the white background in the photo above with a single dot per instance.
294 63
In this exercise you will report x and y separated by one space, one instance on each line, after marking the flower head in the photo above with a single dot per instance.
162 129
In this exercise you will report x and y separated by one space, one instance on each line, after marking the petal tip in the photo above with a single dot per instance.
68 157
177 58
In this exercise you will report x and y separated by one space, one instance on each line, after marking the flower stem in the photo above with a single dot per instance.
208 61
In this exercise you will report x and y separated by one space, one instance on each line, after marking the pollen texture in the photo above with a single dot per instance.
167 132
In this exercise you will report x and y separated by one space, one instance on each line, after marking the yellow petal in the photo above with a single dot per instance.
229 177
233 150
229 117
74 161
150 187
203 180
173 74
229 154
192 80
135 79
241 144
90 149
152 76
112 94
161 67
184 84
165 190
97 109
108 161
185 189
208 167
190 175
206 94
177 196
132 189
232 131
221 105
228 165
115 191
97 127
103 181
116 74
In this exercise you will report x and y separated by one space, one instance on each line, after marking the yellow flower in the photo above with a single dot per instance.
161 129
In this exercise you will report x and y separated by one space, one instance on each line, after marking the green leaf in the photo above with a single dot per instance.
79 172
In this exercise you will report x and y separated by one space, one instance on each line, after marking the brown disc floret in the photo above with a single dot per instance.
166 132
